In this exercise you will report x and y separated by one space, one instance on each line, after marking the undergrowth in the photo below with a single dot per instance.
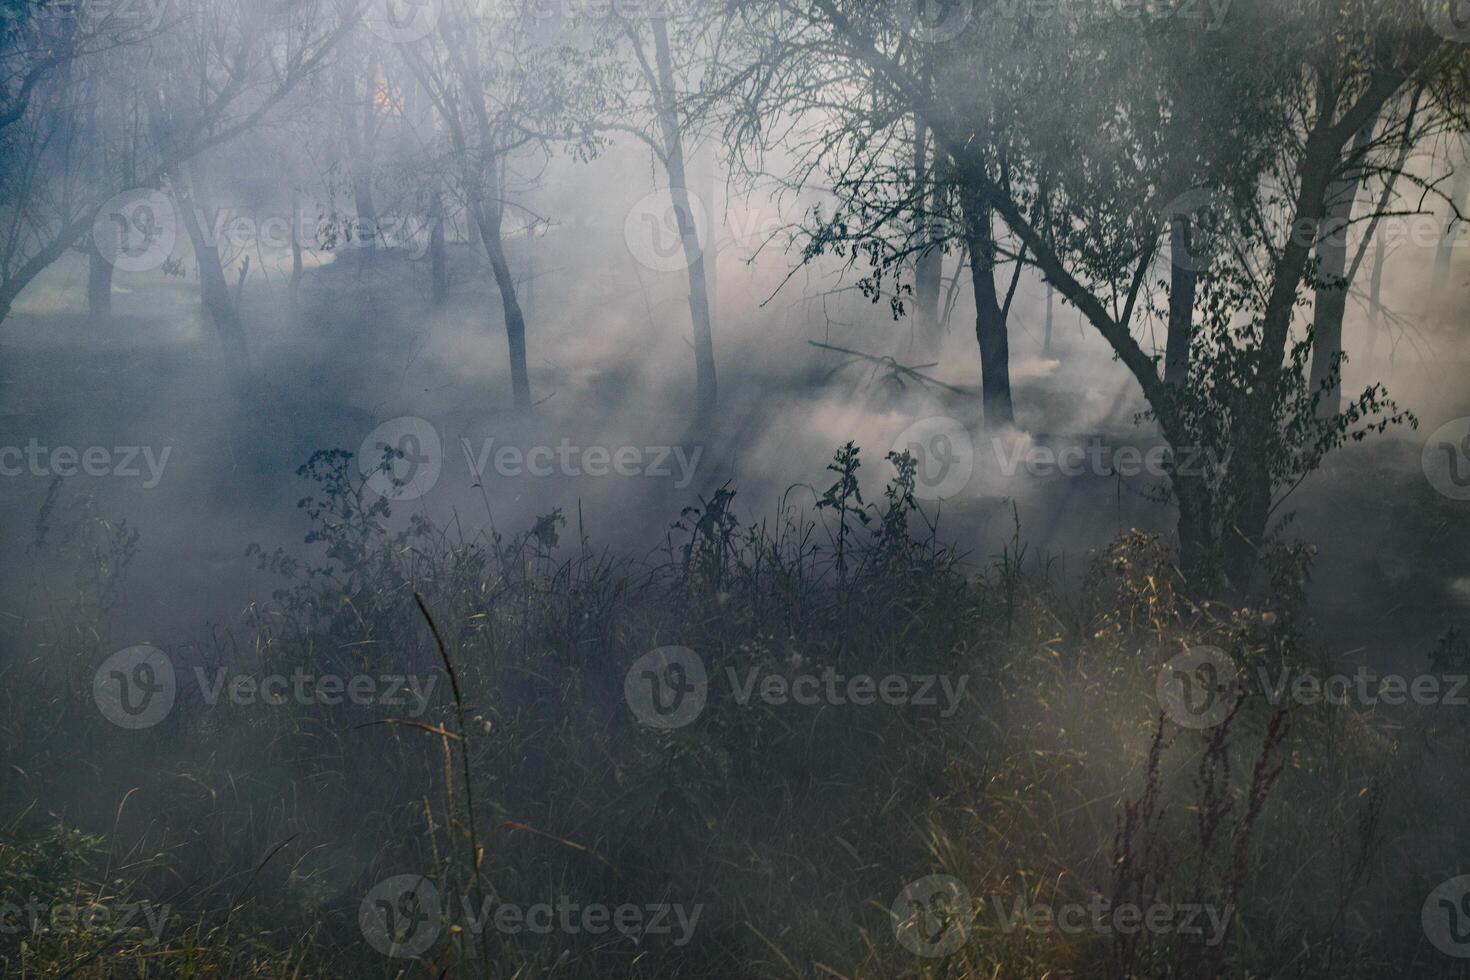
1047 775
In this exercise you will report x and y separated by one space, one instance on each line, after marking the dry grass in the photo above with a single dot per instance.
793 827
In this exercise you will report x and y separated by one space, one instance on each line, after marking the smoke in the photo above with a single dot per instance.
610 348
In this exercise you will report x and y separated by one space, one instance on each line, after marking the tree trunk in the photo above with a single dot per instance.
1197 557
990 319
708 164
1444 255
1375 284
1046 337
367 211
705 379
1375 300
13 283
1330 303
929 268
1254 431
357 116
488 219
99 285
294 290
1183 284
214 292
530 278
1327 313
438 257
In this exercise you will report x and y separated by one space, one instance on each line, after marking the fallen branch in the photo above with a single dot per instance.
894 366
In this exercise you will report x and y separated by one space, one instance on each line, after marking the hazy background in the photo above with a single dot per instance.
611 360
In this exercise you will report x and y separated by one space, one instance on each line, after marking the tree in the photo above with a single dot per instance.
1085 182
661 109
893 205
499 91
253 59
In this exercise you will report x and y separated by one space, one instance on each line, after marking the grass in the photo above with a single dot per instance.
791 830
